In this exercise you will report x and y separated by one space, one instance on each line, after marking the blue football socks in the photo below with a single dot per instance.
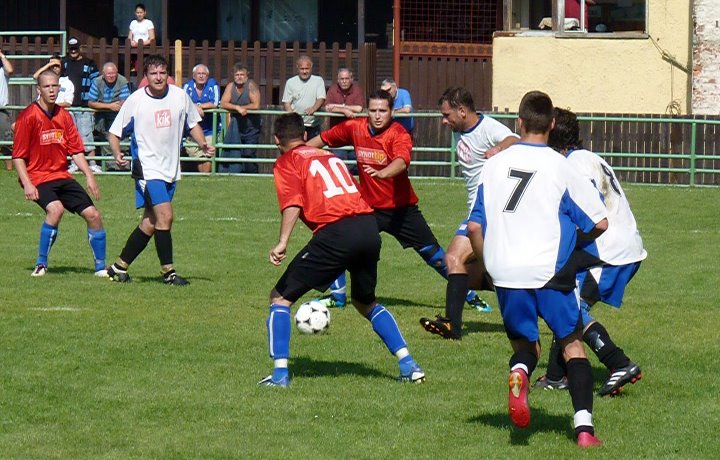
278 327
48 235
338 291
434 255
385 326
98 240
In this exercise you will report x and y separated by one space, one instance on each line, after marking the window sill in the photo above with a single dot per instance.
573 34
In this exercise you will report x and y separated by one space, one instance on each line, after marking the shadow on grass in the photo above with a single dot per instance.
541 422
395 302
472 327
308 367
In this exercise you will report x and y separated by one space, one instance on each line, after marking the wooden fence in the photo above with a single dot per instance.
270 64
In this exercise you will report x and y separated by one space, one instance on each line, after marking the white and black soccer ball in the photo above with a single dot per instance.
312 318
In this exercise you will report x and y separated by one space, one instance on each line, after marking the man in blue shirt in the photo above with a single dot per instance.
204 91
401 103
107 94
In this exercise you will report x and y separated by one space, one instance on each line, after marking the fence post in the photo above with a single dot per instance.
693 141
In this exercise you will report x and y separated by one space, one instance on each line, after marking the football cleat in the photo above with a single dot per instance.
117 274
586 439
173 279
101 273
619 378
330 302
478 304
39 270
544 383
415 374
96 169
518 407
269 382
440 326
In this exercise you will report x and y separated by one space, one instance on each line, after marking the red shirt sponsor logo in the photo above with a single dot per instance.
163 119
51 136
371 156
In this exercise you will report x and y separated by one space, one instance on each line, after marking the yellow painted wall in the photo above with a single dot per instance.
600 75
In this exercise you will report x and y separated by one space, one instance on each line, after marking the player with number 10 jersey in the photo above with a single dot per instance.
319 183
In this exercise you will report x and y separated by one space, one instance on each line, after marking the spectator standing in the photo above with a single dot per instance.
45 136
82 71
401 103
346 98
66 94
107 94
141 28
6 69
305 94
240 95
156 116
205 94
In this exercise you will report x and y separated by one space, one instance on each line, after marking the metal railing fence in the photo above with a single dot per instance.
663 150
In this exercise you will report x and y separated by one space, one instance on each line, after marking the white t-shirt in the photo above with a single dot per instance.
471 147
67 91
301 95
156 126
529 202
141 30
621 244
4 92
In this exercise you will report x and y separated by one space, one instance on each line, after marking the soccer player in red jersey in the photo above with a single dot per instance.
383 149
44 135
316 187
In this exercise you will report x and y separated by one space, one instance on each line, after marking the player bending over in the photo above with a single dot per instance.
606 265
315 186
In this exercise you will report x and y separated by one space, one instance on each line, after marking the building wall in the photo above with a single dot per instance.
706 58
602 75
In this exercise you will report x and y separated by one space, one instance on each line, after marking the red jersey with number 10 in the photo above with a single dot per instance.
44 141
320 184
377 151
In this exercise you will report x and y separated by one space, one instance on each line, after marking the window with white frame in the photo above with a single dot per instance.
583 16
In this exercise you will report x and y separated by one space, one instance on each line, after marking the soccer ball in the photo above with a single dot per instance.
312 318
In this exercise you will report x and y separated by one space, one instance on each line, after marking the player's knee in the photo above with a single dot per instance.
92 217
455 260
433 254
55 211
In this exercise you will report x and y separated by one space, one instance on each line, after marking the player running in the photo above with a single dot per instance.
528 207
315 186
607 263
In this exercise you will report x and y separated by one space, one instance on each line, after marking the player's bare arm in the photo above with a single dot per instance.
114 142
82 164
502 145
290 215
29 189
316 142
395 167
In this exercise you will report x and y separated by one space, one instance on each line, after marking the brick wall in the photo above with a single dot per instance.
706 58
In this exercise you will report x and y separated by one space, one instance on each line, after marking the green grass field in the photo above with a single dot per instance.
94 369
